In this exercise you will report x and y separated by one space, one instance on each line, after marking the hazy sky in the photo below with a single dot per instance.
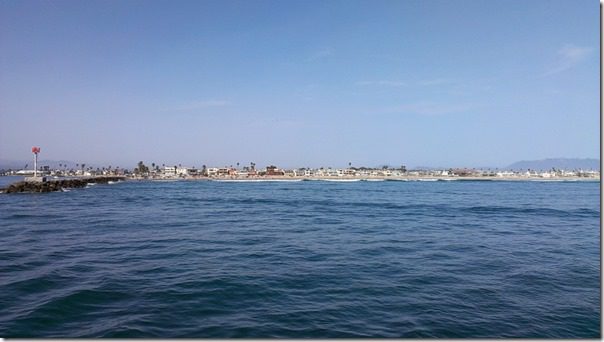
300 83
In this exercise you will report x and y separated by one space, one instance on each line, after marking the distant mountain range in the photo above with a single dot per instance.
558 163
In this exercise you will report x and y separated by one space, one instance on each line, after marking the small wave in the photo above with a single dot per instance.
255 180
340 180
479 180
547 180
534 211
32 215
374 180
77 302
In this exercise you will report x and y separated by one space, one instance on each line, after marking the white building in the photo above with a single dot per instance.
184 171
170 170
505 174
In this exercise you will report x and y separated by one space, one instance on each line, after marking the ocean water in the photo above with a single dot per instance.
303 259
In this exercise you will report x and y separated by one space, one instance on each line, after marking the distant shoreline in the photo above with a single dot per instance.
365 178
340 178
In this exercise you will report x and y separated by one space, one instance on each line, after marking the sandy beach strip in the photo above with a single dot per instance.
378 178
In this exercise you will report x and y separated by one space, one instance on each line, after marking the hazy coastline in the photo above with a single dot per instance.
370 178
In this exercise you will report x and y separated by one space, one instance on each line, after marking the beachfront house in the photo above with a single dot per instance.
547 174
505 174
169 170
272 170
186 171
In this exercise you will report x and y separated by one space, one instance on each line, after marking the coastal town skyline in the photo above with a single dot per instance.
542 164
64 167
300 83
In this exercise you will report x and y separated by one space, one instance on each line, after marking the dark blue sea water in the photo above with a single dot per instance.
302 259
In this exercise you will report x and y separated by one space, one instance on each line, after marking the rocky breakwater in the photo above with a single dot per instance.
57 185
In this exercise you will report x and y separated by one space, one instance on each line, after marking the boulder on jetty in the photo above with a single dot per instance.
57 185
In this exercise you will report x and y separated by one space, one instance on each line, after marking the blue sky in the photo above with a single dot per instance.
300 83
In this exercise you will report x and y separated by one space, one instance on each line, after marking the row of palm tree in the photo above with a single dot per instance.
155 166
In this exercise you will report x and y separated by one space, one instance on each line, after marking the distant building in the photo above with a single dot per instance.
274 171
170 170
223 171
185 171
505 174
461 172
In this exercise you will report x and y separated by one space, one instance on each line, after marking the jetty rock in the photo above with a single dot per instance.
57 185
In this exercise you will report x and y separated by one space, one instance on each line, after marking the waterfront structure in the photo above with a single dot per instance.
169 170
35 150
274 171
